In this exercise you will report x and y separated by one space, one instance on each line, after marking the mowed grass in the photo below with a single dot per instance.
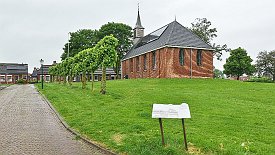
228 117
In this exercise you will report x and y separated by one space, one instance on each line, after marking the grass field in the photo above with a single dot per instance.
228 117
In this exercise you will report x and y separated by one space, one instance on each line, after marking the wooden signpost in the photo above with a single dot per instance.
171 111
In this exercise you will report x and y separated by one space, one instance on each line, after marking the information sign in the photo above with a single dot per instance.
171 111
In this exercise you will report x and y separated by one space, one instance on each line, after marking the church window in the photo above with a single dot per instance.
181 57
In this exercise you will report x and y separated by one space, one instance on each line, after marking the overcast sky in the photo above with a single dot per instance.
35 29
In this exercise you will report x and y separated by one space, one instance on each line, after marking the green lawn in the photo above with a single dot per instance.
228 117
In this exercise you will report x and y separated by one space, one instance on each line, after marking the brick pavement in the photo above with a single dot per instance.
29 127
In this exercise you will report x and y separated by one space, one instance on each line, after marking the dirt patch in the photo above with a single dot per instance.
118 138
192 149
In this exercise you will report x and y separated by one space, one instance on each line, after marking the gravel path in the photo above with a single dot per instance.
29 127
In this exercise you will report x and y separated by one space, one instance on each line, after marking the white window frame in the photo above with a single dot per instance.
1 78
48 78
9 78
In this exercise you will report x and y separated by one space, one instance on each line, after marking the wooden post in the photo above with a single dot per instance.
161 130
184 134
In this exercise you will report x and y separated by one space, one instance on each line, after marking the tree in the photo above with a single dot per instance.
201 27
124 34
265 64
80 40
107 56
53 72
238 63
218 74
91 63
70 67
81 67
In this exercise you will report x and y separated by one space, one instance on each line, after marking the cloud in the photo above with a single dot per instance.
35 29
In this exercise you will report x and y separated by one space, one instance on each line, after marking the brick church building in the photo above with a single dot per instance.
171 51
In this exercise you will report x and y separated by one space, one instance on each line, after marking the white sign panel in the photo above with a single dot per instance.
171 111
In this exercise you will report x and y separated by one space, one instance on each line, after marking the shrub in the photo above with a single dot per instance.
260 79
21 81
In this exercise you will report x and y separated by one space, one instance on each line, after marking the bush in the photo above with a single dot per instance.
260 79
21 81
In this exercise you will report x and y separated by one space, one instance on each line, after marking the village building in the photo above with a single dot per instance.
10 73
37 73
171 51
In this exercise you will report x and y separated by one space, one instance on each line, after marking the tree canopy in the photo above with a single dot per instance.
218 74
202 28
80 40
86 38
238 63
265 64
124 34
107 56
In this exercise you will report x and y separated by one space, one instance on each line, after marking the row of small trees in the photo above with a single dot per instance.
87 62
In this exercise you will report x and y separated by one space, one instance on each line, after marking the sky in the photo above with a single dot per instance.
35 29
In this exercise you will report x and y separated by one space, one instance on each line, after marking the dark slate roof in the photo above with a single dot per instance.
45 70
13 68
34 72
173 35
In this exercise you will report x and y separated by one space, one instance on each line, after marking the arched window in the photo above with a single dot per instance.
131 65
181 56
137 63
145 61
199 57
154 62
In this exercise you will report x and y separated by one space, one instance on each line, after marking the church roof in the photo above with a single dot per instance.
170 35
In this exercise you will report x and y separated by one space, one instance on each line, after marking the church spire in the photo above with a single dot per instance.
138 23
139 29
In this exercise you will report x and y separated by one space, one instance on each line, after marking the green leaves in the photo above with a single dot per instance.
201 27
106 50
104 54
238 63
87 38
79 41
265 64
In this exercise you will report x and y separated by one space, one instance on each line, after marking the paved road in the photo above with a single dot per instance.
28 126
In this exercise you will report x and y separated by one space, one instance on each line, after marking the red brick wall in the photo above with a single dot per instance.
19 76
168 65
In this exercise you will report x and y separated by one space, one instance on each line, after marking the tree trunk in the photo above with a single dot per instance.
59 79
103 81
238 77
117 68
70 80
64 80
93 79
83 81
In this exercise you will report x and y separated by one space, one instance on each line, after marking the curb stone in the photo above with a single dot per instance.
86 140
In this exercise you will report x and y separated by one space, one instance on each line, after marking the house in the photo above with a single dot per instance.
33 76
10 73
37 73
171 51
